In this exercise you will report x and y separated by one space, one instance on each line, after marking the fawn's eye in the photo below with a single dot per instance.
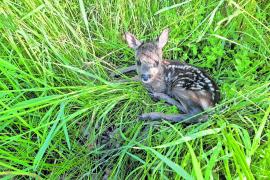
138 62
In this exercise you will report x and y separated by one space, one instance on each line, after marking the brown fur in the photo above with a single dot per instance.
193 90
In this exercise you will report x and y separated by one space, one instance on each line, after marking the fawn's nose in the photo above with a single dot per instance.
145 77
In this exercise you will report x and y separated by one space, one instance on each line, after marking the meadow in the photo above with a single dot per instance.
63 117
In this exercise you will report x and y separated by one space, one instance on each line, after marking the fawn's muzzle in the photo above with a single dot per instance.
145 77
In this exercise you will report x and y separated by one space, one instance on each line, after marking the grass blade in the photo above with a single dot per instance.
196 164
191 137
177 169
171 7
62 110
257 138
213 160
48 139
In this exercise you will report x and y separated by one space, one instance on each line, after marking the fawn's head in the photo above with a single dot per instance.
148 55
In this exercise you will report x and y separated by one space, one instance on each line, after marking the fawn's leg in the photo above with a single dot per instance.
190 117
169 100
187 118
123 71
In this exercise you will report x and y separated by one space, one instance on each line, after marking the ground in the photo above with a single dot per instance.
62 116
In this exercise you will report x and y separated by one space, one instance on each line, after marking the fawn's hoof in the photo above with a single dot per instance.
142 117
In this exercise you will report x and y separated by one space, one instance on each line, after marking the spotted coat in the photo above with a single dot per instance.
189 77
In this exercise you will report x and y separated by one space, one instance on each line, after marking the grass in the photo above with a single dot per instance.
61 116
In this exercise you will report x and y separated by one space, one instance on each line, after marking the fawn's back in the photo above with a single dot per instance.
188 83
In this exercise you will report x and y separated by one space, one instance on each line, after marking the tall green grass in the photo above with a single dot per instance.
61 116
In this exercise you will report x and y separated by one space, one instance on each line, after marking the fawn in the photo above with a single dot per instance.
187 87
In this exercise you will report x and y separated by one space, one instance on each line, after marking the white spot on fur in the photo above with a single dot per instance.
196 88
207 80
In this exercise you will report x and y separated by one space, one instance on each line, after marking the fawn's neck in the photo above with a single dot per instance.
158 83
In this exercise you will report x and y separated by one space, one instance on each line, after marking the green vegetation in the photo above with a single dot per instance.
62 116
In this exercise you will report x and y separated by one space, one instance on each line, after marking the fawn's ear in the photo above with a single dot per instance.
163 38
132 41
